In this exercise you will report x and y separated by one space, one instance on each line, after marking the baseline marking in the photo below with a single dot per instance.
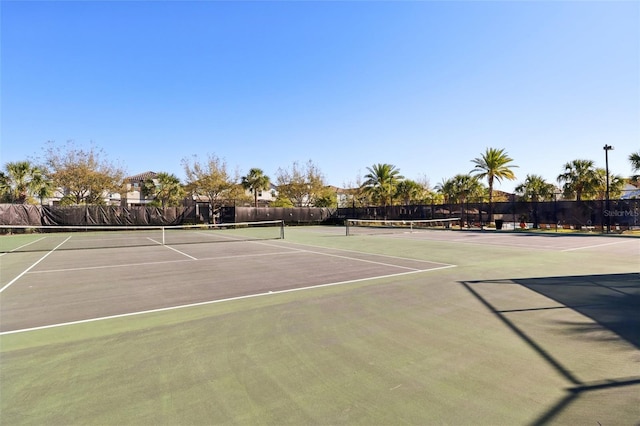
229 299
596 245
498 241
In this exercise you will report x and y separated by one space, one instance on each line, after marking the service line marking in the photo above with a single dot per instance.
180 252
352 251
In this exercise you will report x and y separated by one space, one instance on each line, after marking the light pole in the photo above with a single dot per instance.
607 148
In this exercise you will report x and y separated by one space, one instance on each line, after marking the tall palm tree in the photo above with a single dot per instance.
535 188
381 182
579 179
493 164
256 181
22 180
634 159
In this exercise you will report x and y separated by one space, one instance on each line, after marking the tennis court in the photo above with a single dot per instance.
140 278
418 327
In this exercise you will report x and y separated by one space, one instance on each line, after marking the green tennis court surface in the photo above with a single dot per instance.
425 327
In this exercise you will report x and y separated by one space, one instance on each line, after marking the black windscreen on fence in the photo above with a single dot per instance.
292 216
624 214
113 215
594 213
20 214
15 214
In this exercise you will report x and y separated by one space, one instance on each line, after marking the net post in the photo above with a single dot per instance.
346 225
163 231
282 229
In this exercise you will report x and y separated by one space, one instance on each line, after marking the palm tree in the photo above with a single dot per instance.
579 179
22 180
466 187
42 187
408 190
167 191
634 159
461 188
381 181
493 165
447 189
616 184
5 188
255 181
535 188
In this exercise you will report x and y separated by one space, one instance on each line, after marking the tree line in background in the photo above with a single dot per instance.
84 175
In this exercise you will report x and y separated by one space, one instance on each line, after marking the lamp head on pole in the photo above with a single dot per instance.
607 147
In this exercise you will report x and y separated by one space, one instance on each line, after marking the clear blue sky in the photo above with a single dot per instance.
425 86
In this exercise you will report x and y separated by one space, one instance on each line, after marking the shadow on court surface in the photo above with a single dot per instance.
610 301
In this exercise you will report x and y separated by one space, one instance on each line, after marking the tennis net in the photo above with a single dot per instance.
46 238
372 227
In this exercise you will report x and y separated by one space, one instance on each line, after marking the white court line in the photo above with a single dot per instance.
497 241
161 262
298 250
176 250
229 299
291 251
356 259
221 236
121 265
350 251
32 266
597 245
22 246
359 260
490 240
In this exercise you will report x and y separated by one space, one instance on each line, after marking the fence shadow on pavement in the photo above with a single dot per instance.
611 301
